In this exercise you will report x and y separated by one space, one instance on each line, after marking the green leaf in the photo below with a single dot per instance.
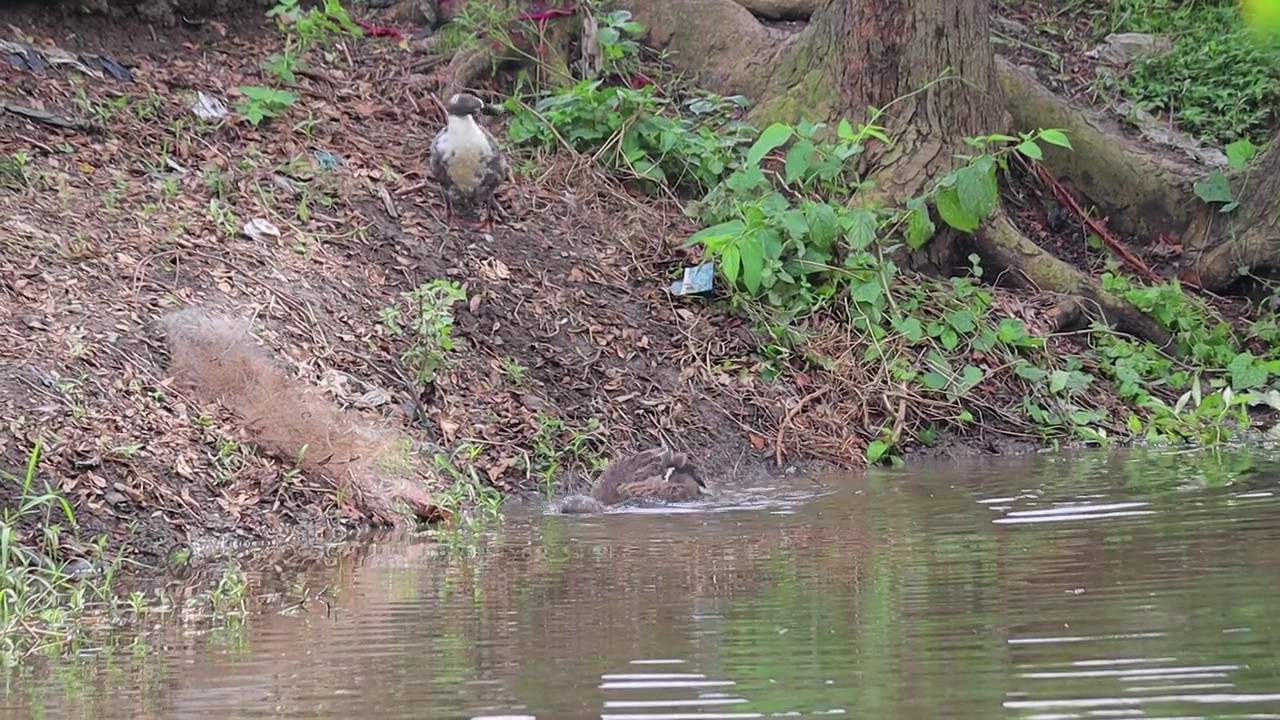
1030 149
1245 373
867 291
1239 153
910 328
969 378
1029 372
862 229
976 189
822 225
608 36
1215 188
794 222
773 137
876 450
752 263
716 234
962 320
1056 137
730 264
799 158
933 380
770 243
952 213
647 170
844 131
1058 380
920 227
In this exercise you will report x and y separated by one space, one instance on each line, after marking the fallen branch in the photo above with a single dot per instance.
1094 224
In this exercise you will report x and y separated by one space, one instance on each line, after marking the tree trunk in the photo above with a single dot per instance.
1248 238
881 54
929 63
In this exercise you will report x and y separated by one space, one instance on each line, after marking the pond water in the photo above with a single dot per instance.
1055 586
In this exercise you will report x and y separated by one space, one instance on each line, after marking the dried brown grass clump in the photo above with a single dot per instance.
216 360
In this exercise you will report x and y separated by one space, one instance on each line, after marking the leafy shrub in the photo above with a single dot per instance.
685 146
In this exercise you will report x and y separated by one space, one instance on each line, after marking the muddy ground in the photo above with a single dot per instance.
570 349
137 213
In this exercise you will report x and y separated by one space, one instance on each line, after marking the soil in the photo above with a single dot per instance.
568 336
140 211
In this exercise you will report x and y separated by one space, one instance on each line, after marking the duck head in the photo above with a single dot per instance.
463 105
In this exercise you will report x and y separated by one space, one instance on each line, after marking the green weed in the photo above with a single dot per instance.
316 26
14 171
44 603
425 319
1216 188
263 103
559 443
1217 82
685 146
472 504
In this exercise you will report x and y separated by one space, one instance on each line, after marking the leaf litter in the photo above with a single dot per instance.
295 234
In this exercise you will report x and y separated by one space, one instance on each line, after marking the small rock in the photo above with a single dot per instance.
1123 48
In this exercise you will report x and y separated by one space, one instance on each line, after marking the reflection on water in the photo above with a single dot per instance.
1122 585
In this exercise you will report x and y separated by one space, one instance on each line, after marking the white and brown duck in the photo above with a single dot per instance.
467 162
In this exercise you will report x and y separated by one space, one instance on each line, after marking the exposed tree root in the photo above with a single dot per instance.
1250 235
780 9
1007 247
1147 193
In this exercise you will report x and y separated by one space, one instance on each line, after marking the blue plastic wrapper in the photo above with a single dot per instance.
697 280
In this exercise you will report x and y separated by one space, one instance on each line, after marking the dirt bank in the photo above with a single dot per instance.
263 419
569 349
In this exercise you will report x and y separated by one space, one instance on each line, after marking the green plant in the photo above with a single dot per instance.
686 146
1216 81
13 171
778 231
470 503
44 603
1216 187
425 318
619 37
262 103
558 442
316 26
284 65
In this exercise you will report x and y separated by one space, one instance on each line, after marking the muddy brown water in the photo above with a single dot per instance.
1056 586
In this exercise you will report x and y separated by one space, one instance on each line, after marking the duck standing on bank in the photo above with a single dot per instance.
655 474
467 162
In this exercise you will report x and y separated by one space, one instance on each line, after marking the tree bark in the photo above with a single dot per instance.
1144 192
1246 239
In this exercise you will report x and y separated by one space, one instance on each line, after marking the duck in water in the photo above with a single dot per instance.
655 474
